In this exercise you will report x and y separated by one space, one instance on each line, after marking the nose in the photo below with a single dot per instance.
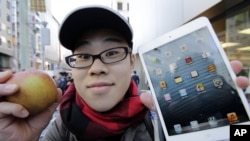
98 67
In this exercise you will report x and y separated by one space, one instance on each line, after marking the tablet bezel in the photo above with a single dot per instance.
220 133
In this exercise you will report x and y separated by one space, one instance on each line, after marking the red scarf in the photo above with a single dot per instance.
88 124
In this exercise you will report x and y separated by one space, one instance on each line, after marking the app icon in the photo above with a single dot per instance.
218 82
168 53
188 60
232 117
177 128
204 55
183 93
156 60
211 68
183 48
163 84
178 79
200 88
212 121
194 125
194 73
172 67
167 97
158 71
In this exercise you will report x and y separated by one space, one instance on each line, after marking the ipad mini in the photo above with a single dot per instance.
193 84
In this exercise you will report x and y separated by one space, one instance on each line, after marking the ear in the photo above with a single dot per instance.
133 61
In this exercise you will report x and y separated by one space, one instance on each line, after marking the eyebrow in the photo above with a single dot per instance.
112 39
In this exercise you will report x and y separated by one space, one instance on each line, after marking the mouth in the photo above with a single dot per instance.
100 84
100 88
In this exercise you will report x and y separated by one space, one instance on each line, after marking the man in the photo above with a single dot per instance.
102 103
136 78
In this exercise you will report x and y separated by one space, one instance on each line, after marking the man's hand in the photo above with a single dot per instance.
15 122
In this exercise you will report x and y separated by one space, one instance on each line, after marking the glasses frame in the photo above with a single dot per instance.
98 56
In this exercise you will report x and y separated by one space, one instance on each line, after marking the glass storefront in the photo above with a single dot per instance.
235 39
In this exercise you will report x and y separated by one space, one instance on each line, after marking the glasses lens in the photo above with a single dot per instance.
114 55
80 60
109 56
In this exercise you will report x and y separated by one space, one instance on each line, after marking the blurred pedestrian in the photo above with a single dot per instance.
136 77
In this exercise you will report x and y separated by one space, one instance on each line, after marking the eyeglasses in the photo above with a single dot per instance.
109 56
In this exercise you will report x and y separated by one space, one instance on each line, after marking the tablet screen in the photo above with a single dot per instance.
192 84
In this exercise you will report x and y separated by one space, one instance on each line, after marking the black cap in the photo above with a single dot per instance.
91 17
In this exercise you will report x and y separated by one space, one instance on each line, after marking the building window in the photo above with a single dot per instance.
119 6
8 18
9 31
9 44
4 62
8 5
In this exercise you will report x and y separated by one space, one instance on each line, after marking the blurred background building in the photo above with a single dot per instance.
28 36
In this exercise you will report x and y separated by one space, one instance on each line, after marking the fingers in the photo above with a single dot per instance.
17 110
59 95
242 82
39 121
5 75
8 108
237 66
7 89
47 114
147 100
53 107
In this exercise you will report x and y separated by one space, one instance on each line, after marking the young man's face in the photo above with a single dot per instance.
101 85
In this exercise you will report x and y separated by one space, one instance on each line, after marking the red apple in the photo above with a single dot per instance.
37 90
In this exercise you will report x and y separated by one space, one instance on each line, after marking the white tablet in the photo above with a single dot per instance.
193 84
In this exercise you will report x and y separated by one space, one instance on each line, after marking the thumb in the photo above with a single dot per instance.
40 121
147 100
